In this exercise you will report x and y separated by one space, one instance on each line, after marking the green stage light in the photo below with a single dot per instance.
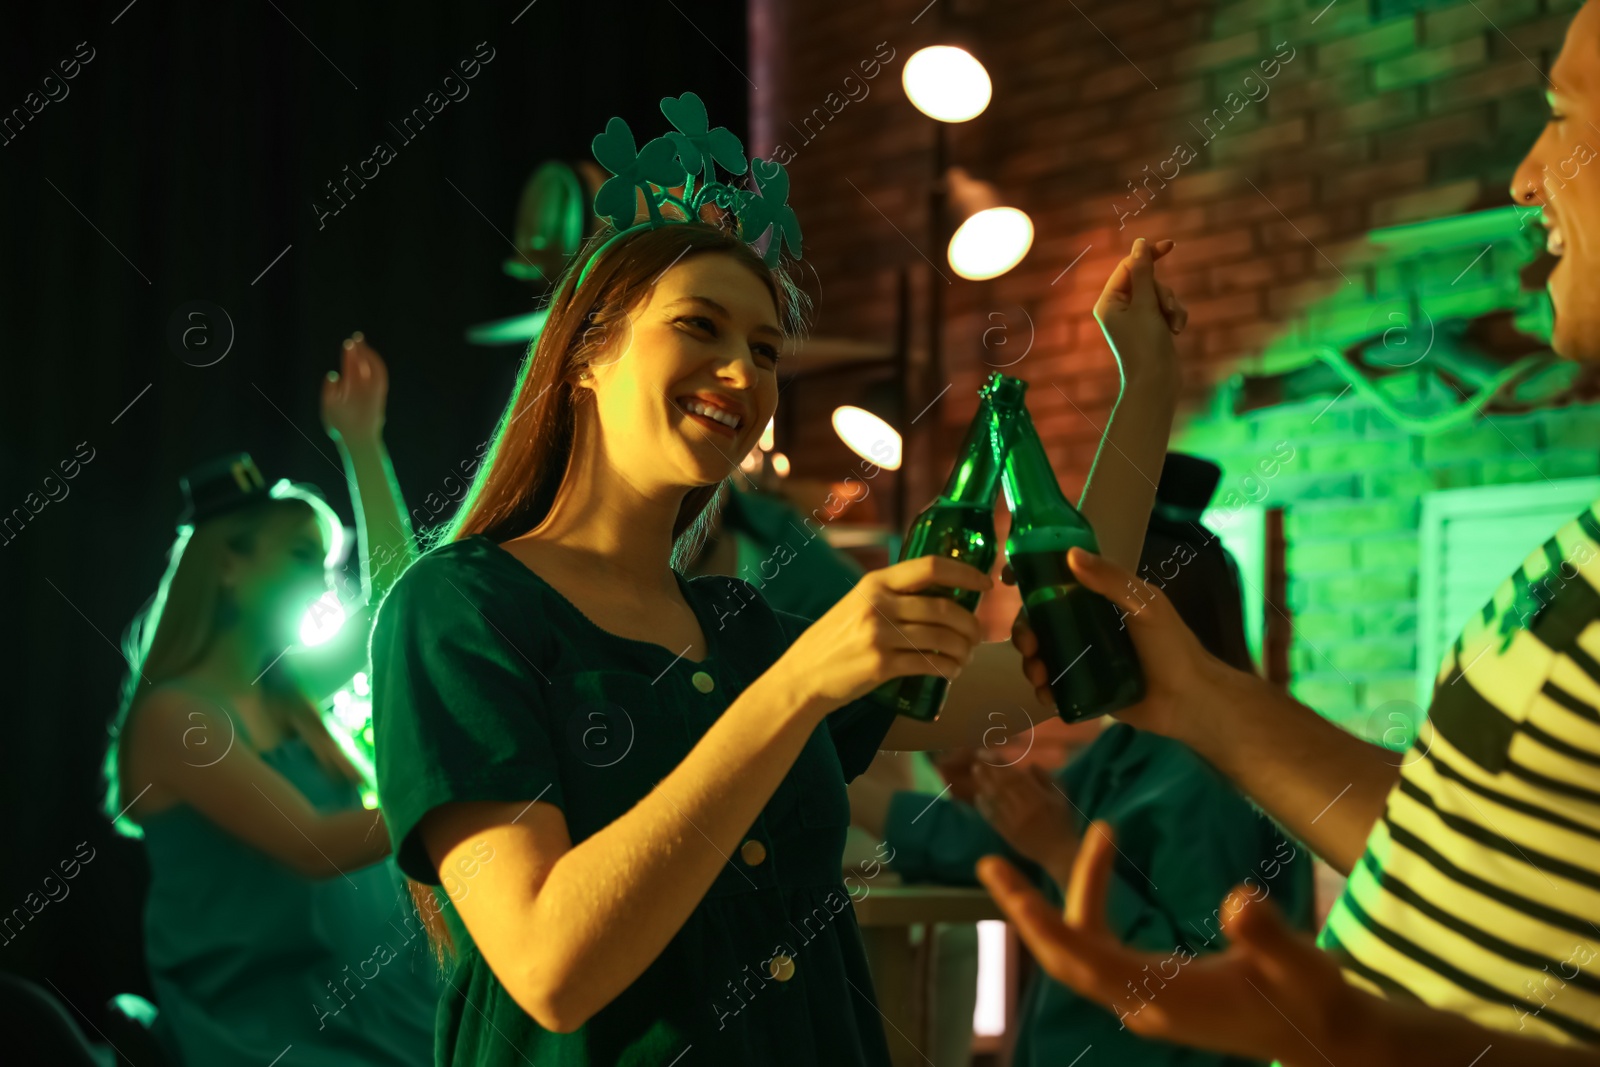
322 620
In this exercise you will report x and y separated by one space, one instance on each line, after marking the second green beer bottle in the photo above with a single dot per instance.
960 524
1093 667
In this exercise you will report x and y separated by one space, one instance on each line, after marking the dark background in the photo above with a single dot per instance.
195 141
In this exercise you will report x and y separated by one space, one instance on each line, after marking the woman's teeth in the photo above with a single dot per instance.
727 418
1553 242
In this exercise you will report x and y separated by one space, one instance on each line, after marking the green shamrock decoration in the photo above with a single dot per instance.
655 164
670 162
697 144
771 209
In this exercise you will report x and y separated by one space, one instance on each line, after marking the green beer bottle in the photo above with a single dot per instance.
960 524
1093 667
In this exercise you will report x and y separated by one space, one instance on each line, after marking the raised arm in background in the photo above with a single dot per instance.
994 697
354 400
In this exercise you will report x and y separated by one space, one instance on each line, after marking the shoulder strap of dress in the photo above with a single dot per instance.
218 699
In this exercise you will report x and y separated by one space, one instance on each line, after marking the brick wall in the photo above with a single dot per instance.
1366 115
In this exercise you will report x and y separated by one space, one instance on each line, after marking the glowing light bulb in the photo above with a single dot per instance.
780 464
990 243
868 436
946 83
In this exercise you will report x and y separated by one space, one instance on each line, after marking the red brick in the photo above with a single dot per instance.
1434 203
1396 35
1243 14
1466 20
1115 82
1213 54
1431 63
1116 20
1325 290
1052 100
1335 20
1470 126
1381 179
1218 247
1546 34
1206 184
1380 112
1284 100
1155 224
1491 83
1266 140
1180 98
1258 271
1272 197
1241 340
1065 124
1115 146
1318 157
1229 308
1294 231
1025 167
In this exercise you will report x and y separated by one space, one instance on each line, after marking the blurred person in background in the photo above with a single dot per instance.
273 918
1187 836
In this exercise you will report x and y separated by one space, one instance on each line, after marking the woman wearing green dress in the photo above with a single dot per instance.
274 926
635 780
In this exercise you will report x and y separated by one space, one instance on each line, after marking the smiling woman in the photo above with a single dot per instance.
549 685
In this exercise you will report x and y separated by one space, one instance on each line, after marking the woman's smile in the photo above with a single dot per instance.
710 417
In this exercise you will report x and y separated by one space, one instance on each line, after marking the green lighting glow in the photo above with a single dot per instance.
322 620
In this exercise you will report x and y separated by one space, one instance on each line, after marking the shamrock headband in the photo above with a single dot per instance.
670 162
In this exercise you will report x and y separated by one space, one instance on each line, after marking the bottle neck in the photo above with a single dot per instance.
1042 519
975 479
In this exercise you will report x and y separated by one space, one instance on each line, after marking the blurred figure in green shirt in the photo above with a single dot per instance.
1184 836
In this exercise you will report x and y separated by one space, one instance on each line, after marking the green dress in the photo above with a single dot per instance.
489 685
250 960
1184 839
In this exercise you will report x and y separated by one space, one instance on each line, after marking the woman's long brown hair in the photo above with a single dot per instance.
532 443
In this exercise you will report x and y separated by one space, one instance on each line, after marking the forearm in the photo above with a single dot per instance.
612 903
1121 488
382 526
344 841
1395 1034
1325 786
939 840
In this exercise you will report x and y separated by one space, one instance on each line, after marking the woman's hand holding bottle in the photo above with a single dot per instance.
887 627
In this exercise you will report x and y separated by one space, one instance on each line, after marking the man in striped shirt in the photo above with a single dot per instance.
1469 930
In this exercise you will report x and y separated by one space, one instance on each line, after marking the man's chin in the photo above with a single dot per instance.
1575 339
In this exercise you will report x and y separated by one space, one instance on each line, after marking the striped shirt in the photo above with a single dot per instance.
1479 891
